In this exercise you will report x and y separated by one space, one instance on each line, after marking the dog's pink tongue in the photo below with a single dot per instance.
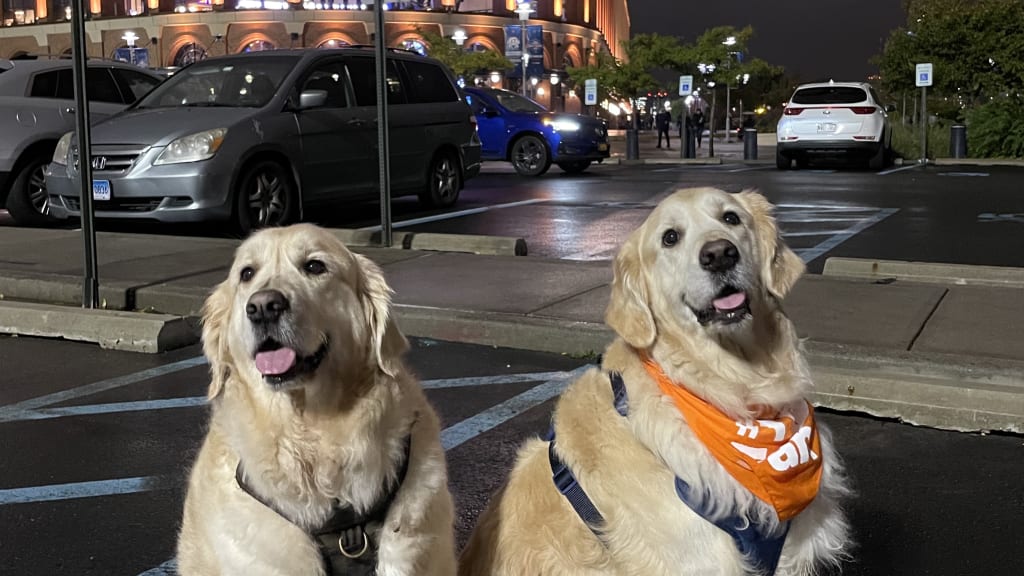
275 362
730 302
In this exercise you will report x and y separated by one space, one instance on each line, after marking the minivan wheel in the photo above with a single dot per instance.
28 201
444 181
530 156
574 167
265 197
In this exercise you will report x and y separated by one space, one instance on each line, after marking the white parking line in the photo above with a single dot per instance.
75 490
900 169
458 214
809 254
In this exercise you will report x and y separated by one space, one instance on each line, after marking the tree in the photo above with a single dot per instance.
462 62
975 47
627 79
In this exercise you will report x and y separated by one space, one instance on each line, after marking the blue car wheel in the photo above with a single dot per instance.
530 156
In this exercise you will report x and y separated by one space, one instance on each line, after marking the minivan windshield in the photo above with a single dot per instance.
233 82
516 103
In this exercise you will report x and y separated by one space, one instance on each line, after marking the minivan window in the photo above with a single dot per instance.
829 95
428 83
329 77
235 83
99 85
363 74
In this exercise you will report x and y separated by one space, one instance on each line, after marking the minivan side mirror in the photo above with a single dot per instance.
312 99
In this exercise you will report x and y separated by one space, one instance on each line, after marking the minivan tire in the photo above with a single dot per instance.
264 197
530 156
27 200
444 181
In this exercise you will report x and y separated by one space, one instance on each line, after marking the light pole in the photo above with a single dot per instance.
730 41
710 69
524 11
459 36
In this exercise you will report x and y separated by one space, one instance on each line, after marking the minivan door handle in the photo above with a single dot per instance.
356 122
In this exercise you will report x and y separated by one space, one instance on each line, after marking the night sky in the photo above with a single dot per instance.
815 39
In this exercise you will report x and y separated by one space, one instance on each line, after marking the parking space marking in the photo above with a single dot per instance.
900 169
458 214
11 411
73 490
192 401
751 169
169 568
810 254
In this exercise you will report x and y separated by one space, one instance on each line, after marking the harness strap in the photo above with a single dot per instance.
344 544
567 484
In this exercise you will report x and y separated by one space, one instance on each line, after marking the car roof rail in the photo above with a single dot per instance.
389 48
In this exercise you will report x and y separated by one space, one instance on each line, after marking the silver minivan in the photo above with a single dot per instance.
259 138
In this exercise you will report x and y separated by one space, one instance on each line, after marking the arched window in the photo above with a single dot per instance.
415 45
478 47
258 46
189 53
333 43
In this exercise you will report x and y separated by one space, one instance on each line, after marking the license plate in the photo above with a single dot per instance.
101 189
826 127
602 147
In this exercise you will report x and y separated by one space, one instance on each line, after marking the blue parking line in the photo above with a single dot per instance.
75 490
11 412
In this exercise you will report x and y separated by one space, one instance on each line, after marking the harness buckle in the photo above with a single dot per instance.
349 540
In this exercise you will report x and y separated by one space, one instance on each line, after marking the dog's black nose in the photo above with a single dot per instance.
719 256
266 306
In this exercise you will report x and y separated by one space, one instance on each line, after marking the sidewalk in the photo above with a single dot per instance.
927 353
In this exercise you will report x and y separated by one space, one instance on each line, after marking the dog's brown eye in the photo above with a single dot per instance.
315 267
731 218
247 274
670 237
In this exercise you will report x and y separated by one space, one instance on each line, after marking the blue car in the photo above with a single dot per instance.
517 129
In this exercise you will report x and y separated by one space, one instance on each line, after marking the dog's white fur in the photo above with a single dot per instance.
336 434
627 465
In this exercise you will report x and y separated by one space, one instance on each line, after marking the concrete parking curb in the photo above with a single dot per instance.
959 274
470 243
942 391
667 161
113 329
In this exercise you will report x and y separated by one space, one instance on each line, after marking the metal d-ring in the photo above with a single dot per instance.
346 554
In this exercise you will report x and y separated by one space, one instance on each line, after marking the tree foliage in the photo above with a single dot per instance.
975 46
996 129
628 78
460 61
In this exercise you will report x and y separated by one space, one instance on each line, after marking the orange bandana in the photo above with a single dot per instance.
778 461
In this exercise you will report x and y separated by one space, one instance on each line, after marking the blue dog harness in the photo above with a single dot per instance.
762 550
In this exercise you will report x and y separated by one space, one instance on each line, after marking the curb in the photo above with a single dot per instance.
474 244
941 391
111 329
962 162
958 274
642 161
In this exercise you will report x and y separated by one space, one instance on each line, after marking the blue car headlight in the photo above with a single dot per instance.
563 125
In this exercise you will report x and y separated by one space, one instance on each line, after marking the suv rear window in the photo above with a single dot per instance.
428 83
830 95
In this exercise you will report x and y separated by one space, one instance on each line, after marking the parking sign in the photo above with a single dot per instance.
590 92
923 75
685 85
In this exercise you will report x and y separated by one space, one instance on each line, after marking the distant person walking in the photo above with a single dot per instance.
697 120
664 122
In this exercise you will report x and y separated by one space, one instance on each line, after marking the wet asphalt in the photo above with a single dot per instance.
95 457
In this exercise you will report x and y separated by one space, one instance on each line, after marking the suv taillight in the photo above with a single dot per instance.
472 120
863 109
790 111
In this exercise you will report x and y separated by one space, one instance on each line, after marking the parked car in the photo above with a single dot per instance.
516 129
258 138
833 118
37 108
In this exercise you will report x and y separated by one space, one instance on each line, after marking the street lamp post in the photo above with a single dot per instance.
710 69
730 41
524 11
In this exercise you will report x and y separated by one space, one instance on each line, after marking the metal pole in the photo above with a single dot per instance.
383 146
924 125
728 116
525 57
711 135
91 283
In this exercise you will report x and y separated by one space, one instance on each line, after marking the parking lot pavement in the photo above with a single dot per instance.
97 445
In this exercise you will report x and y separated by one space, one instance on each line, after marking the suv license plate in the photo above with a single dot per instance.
826 127
101 189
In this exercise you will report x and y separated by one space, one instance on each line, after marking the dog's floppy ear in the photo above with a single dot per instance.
629 310
216 312
387 341
781 267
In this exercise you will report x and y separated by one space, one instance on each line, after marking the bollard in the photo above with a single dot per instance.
690 145
958 141
632 144
750 143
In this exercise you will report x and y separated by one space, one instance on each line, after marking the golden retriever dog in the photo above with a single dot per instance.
322 455
740 482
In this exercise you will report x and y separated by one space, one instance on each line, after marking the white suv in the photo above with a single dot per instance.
833 118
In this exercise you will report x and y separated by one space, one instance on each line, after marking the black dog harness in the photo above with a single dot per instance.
762 550
345 545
